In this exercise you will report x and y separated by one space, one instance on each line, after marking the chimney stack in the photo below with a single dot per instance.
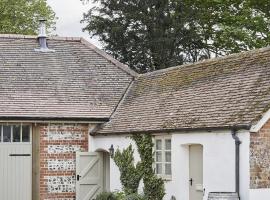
42 37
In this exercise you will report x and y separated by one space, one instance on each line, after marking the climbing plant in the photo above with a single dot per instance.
130 173
153 185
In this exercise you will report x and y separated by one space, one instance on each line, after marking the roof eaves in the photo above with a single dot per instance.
12 118
120 65
235 127
18 36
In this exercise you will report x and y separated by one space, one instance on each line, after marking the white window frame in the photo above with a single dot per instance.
163 161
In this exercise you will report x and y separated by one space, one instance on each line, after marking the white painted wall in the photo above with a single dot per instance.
259 194
219 162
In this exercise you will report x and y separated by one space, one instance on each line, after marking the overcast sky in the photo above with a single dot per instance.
70 13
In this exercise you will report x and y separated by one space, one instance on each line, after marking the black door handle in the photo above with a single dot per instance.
78 177
191 181
19 154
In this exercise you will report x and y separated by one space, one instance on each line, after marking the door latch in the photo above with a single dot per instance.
78 177
191 181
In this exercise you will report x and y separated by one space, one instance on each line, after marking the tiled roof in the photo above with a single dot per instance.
222 92
75 81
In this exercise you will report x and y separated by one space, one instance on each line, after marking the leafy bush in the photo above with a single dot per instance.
153 187
120 195
106 196
135 197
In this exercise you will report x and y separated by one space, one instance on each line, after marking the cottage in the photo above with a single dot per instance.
64 103
210 121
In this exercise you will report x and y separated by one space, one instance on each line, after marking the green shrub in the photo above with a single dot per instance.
153 186
135 197
130 174
120 195
106 196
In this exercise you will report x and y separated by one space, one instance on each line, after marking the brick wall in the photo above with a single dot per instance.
58 144
260 158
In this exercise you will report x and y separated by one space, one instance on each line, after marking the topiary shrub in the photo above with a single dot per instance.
154 188
106 196
130 174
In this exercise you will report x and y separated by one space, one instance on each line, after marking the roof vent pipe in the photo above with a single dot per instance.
42 37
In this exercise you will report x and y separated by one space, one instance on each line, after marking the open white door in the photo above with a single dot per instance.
89 175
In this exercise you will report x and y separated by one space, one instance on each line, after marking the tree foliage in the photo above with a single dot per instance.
156 34
22 16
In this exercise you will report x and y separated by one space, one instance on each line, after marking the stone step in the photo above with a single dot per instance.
223 196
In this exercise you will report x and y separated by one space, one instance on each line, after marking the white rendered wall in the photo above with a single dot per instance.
219 162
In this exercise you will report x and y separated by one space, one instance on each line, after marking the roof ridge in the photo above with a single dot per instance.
207 61
20 36
17 36
120 65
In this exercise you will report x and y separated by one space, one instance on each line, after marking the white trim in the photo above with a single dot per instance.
163 151
255 128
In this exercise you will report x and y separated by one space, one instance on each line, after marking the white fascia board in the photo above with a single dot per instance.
256 127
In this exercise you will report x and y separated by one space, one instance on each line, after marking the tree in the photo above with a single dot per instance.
22 16
154 34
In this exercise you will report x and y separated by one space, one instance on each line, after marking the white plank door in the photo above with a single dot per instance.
89 175
15 171
195 172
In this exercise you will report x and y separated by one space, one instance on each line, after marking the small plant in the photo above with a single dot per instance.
106 196
120 195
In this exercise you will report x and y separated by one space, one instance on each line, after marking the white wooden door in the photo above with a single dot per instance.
15 164
195 172
89 175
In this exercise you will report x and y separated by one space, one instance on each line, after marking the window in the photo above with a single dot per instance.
15 133
163 165
6 133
